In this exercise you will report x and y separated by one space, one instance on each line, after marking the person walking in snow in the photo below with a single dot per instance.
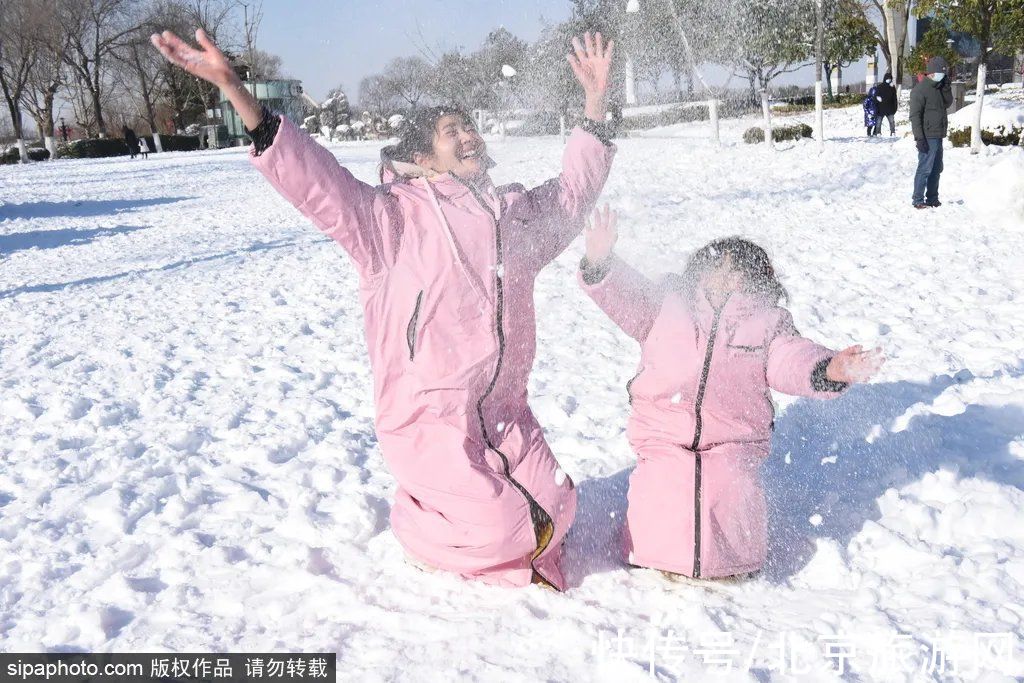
447 263
871 111
143 148
929 101
886 105
131 140
713 342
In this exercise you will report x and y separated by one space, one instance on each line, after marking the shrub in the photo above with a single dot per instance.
174 143
12 156
961 137
538 123
799 104
795 132
97 148
666 117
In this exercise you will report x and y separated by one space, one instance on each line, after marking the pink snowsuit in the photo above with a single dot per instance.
702 419
446 282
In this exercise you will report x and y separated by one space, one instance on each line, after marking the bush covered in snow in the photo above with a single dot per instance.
794 132
116 147
12 155
1002 135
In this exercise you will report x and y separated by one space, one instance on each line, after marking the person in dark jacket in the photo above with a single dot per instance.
131 139
886 105
929 100
871 112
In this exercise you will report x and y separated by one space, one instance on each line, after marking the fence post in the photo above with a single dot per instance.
713 115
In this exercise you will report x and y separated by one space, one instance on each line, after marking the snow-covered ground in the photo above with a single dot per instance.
188 463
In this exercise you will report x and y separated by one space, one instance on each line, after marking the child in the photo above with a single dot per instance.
713 342
143 148
871 111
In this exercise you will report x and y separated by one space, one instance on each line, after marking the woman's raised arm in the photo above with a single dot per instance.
564 202
210 64
353 213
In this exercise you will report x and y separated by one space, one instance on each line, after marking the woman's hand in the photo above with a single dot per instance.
854 365
208 63
601 235
591 64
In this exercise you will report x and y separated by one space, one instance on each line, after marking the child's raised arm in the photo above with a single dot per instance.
627 297
800 367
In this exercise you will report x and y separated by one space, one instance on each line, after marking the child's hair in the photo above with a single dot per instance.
748 258
417 132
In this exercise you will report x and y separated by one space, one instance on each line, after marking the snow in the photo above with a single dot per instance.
188 457
1006 109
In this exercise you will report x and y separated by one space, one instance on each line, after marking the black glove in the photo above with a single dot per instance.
922 145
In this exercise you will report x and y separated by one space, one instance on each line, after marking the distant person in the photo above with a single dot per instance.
929 100
886 105
871 111
130 139
143 148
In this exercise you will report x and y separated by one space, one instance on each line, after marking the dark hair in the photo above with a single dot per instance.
418 130
745 256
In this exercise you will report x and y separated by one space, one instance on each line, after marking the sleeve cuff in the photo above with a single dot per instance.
600 130
820 382
263 134
593 273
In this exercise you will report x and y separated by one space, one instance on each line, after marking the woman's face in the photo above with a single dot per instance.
458 148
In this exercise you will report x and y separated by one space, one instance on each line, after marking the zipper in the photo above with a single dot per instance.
543 525
629 385
410 332
696 441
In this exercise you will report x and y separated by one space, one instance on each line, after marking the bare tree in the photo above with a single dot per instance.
48 75
142 77
94 29
408 79
376 95
18 54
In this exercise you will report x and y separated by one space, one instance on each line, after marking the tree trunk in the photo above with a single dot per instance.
15 112
766 112
630 81
895 54
828 82
978 101
819 105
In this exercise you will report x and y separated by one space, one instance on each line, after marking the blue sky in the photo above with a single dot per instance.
327 43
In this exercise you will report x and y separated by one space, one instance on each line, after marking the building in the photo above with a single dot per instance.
285 96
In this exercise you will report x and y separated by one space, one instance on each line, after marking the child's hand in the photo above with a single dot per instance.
591 62
854 365
601 235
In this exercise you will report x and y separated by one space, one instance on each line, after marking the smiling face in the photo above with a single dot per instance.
458 148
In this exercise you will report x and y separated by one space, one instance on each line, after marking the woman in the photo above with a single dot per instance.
447 263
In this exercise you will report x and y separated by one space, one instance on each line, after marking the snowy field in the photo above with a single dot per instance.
188 463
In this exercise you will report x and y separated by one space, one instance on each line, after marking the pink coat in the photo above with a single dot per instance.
446 283
702 419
